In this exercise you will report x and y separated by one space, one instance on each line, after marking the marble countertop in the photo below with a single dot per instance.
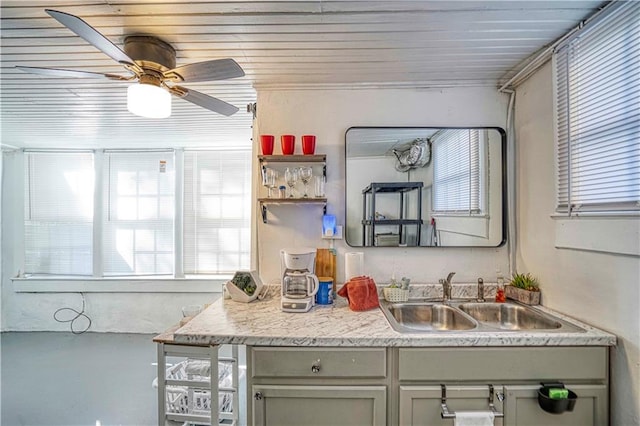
262 323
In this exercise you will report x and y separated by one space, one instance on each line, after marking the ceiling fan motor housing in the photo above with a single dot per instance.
150 53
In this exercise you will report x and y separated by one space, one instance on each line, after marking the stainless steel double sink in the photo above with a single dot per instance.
426 316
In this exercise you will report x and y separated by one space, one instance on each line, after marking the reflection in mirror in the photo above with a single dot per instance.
423 186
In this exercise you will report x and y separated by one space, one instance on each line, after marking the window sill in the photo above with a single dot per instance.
601 233
118 285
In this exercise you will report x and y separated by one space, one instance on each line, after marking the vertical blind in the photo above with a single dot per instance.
58 206
139 211
597 83
456 171
217 211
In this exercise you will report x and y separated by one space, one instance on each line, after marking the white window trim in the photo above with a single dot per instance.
605 234
124 285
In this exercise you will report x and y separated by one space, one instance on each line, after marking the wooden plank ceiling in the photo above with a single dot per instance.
277 43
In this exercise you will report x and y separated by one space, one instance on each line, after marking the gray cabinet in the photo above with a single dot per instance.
422 405
404 386
514 373
522 409
317 386
290 405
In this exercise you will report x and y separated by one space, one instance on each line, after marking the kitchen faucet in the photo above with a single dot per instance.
446 286
480 290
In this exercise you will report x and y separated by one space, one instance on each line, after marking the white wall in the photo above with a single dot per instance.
328 114
598 288
141 311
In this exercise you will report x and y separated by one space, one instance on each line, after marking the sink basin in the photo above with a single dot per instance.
509 317
416 317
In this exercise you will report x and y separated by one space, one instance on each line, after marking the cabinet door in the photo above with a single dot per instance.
319 405
521 407
421 405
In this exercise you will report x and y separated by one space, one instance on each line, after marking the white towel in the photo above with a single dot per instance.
473 418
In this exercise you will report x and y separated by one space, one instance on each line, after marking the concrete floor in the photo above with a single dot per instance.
89 379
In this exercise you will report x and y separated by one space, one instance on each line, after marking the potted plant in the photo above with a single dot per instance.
524 288
244 286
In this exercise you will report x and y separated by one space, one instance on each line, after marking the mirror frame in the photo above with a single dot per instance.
503 137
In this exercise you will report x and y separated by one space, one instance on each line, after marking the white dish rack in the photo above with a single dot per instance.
189 400
185 393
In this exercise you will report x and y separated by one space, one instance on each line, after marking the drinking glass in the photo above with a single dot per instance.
306 173
269 177
319 187
291 177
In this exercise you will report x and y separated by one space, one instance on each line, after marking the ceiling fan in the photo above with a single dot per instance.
152 64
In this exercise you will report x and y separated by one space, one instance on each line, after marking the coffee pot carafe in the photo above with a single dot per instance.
300 285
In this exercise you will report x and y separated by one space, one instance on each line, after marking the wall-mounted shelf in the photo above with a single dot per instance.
264 202
299 159
320 159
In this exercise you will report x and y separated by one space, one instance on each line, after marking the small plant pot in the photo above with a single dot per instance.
523 296
239 295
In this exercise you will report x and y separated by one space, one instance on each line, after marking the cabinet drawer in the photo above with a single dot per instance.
320 363
531 363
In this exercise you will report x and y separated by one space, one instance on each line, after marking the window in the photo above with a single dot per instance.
58 206
217 211
131 219
139 211
456 172
597 75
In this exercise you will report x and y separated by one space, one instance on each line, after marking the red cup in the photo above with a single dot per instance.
308 144
288 144
267 142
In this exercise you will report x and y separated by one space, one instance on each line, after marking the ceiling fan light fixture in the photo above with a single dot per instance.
148 100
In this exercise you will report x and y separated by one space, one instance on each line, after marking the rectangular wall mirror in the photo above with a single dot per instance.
425 187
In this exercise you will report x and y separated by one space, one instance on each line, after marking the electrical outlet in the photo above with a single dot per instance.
336 236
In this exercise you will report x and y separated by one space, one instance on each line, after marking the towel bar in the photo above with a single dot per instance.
446 414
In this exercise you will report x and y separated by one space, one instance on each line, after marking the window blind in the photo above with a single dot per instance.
597 84
139 211
456 171
58 210
217 211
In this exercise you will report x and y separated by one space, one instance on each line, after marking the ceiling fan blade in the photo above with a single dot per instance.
91 35
217 69
54 72
206 101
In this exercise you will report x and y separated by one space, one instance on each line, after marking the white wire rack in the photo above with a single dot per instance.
185 393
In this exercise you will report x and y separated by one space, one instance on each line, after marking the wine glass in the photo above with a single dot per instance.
291 177
305 176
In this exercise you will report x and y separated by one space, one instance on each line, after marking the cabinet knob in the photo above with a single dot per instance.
258 396
315 368
500 396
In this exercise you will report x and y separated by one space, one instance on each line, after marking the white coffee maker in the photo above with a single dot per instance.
299 283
